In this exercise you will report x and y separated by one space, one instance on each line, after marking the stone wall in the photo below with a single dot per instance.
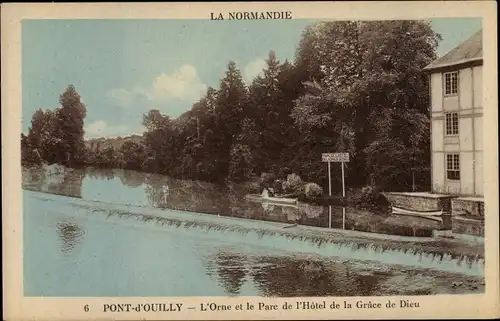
420 203
462 225
465 207
467 213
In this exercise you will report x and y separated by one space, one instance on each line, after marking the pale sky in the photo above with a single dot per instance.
123 68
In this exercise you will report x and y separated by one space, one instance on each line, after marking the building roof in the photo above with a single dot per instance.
471 50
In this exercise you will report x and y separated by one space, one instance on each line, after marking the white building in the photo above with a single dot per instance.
457 120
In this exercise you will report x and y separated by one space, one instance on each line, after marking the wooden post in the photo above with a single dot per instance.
329 216
343 197
329 193
343 218
343 181
329 180
337 158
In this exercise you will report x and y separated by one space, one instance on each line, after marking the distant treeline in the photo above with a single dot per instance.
354 87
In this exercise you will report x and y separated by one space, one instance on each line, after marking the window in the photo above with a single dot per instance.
453 166
451 83
451 123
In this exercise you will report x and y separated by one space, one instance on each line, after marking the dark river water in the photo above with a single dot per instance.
124 233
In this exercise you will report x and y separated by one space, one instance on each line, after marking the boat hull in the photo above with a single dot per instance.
432 215
280 200
274 200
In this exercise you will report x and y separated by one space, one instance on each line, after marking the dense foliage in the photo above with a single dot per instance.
354 87
56 136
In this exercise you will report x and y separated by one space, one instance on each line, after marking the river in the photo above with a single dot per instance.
123 233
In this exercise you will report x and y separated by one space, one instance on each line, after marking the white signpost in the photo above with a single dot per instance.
336 158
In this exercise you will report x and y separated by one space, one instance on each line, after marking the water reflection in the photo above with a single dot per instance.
219 257
230 271
284 276
131 179
310 211
296 276
70 234
100 174
67 182
154 190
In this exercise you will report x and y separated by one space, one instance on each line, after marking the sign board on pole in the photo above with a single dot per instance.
335 157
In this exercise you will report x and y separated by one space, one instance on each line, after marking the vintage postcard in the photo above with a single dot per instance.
250 160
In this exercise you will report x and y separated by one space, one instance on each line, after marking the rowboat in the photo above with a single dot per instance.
266 198
273 200
432 215
280 200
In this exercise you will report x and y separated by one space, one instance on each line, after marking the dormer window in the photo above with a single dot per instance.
451 83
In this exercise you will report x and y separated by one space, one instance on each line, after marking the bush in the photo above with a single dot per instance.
368 195
278 186
252 186
293 184
267 180
313 190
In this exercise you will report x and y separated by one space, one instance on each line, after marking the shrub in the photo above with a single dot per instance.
368 195
277 186
293 184
313 190
267 180
252 186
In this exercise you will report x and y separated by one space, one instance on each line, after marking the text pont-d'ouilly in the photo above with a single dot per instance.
244 15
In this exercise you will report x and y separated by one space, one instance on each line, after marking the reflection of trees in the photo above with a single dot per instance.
70 234
100 173
310 210
292 213
285 276
156 195
187 195
268 207
408 226
67 182
71 184
275 212
366 221
230 271
131 178
33 178
291 276
251 210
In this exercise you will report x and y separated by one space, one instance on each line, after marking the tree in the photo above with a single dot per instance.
70 127
230 106
240 166
29 156
158 142
370 89
133 155
232 100
353 86
265 114
398 55
42 139
34 138
153 120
